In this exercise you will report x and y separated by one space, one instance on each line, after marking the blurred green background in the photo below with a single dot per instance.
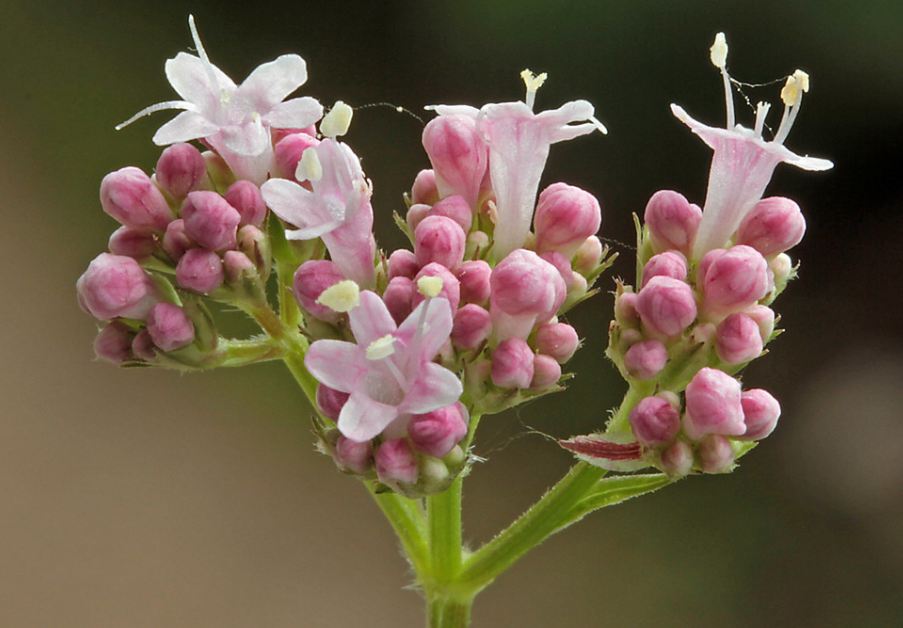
141 498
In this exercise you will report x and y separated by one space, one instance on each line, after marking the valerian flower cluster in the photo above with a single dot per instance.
405 350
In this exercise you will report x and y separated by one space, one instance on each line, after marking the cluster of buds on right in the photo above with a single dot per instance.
701 310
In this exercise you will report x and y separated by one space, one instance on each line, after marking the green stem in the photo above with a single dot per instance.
444 517
448 613
407 520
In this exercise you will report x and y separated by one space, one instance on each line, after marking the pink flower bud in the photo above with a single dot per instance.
563 266
169 327
588 256
353 456
677 459
774 225
655 422
666 306
176 241
210 220
436 433
565 217
331 401
672 221
715 454
646 359
180 169
200 270
546 371
129 196
115 286
132 243
288 153
247 200
524 283
114 343
143 346
399 296
732 279
713 405
456 208
668 264
474 277
738 339
237 265
424 190
761 412
451 287
512 364
311 279
441 240
625 309
403 263
781 268
416 214
557 340
472 325
396 463
254 243
459 155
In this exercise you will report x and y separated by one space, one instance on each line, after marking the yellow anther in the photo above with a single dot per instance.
381 348
797 84
337 121
718 51
343 296
429 287
533 81
309 166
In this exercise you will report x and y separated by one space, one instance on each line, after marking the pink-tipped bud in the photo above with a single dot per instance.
459 155
761 412
738 339
524 283
775 225
512 364
129 196
456 208
180 169
441 240
176 240
732 279
237 265
451 287
666 306
200 270
563 266
143 346
565 217
715 454
331 401
655 421
169 327
668 264
546 371
646 359
588 256
396 462
672 221
353 456
399 296
424 189
713 405
311 279
114 343
416 214
247 200
436 433
557 340
115 286
403 263
764 317
288 153
280 134
625 309
132 243
210 220
472 325
677 459
474 277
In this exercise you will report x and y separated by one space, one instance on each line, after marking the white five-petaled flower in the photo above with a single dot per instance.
388 373
743 160
234 119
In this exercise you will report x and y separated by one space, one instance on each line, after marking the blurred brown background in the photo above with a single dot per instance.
140 498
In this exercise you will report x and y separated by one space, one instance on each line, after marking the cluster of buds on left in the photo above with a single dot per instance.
701 311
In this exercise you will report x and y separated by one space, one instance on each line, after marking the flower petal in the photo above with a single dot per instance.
435 330
294 204
363 418
296 113
337 364
191 79
271 82
248 139
188 125
435 387
371 319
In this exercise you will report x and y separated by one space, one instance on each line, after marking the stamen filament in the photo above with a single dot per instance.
728 98
762 109
160 106
208 67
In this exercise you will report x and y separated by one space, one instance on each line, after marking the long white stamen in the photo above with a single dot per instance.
718 56
792 95
208 67
533 83
160 106
761 112
728 98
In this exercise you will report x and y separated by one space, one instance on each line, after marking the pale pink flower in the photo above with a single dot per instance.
388 373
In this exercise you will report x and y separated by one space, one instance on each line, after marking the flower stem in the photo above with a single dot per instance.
444 516
448 613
